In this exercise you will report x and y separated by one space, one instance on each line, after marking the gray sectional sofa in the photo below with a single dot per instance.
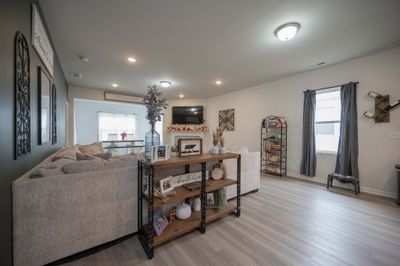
57 214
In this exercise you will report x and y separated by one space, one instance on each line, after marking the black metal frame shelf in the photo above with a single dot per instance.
274 132
146 234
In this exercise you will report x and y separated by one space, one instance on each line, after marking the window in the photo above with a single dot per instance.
112 125
327 120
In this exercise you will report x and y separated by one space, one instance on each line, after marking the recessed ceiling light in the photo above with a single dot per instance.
287 31
165 83
84 58
218 82
131 59
181 96
114 85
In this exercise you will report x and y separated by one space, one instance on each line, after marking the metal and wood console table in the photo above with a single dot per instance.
151 172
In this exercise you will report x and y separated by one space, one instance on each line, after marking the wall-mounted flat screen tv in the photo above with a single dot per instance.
187 115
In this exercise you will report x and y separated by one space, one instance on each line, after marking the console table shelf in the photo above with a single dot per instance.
198 220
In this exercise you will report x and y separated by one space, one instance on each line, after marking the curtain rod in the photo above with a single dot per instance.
335 86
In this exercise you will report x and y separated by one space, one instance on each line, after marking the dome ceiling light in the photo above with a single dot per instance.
287 31
165 84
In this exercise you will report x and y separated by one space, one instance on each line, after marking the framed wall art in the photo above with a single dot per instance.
53 114
22 96
44 89
189 147
41 42
227 119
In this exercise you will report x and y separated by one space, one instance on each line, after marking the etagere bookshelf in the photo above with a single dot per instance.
274 145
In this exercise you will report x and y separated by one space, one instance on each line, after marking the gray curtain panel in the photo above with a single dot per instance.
347 155
309 160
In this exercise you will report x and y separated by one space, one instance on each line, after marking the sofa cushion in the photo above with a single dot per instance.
83 166
84 156
94 148
51 169
67 153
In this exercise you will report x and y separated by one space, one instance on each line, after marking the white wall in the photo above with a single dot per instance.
86 118
378 153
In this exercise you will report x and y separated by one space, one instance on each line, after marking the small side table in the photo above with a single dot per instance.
398 183
344 179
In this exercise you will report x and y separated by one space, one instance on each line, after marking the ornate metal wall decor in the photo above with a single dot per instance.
53 114
22 97
227 119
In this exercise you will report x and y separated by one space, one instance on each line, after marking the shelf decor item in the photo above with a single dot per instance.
183 211
22 99
160 222
155 105
218 142
274 145
160 153
166 185
218 171
189 147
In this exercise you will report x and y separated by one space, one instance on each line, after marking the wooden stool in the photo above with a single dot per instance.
344 179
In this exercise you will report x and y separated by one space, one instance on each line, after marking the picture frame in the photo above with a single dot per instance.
160 221
166 185
44 101
210 199
160 153
190 147
41 42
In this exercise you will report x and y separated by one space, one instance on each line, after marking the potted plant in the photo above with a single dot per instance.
155 105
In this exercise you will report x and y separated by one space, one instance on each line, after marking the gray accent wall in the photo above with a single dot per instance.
15 15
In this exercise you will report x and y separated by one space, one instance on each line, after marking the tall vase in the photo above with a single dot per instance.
152 138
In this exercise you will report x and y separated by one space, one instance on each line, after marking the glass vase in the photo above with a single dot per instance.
152 138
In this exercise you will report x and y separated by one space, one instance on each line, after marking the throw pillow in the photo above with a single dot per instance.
84 156
67 153
94 148
83 166
51 169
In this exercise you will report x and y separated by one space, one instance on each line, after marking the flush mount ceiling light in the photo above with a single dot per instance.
131 59
218 82
114 85
181 96
165 83
287 31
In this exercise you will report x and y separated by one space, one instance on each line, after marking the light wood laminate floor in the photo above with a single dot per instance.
288 222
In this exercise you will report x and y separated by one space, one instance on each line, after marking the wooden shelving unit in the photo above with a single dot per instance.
198 220
274 145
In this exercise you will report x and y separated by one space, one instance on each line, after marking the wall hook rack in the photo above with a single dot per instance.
382 107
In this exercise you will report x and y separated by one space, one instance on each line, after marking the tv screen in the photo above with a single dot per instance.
187 115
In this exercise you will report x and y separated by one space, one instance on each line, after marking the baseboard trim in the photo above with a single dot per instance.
322 180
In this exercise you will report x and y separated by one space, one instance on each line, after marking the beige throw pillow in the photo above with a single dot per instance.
84 156
83 166
94 148
67 153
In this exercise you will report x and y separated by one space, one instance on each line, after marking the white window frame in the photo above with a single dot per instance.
328 90
115 114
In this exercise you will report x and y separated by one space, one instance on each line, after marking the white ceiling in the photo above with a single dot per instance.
194 42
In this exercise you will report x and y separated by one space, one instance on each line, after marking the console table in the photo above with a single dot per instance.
146 234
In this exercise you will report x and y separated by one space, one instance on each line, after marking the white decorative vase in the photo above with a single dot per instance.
183 211
196 205
215 150
223 150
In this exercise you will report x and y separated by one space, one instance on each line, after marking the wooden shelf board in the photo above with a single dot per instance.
179 161
183 193
180 227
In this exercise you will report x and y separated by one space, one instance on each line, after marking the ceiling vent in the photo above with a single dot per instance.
76 75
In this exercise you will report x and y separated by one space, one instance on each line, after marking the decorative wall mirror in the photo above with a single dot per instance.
44 107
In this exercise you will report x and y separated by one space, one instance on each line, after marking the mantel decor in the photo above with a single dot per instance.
155 105
22 76
53 114
184 128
